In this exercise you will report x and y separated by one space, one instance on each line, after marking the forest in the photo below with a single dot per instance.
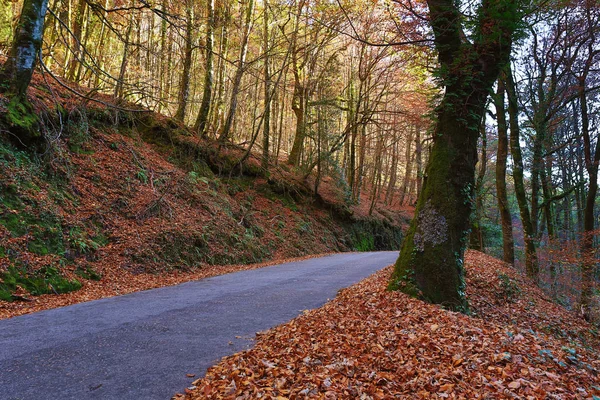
349 90
361 92
141 141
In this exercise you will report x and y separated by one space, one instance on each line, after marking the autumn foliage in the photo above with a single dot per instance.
370 343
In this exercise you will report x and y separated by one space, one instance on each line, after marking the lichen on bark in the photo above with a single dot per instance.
432 228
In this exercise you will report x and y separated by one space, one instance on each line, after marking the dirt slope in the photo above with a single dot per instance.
124 201
369 343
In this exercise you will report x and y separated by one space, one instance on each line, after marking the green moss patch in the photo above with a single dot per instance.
44 281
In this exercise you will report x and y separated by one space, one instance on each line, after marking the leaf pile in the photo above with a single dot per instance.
369 343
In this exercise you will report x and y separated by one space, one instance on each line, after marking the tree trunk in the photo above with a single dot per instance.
267 92
124 60
592 161
508 246
419 160
26 46
476 241
389 196
76 45
531 262
407 168
184 86
237 80
201 125
218 113
431 259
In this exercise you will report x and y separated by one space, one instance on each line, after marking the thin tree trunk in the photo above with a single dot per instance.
124 59
76 37
267 92
476 237
592 162
201 125
184 86
531 262
237 80
407 168
508 246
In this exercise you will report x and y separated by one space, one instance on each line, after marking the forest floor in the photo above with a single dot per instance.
369 343
126 201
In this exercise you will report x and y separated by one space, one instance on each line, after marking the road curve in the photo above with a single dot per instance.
142 345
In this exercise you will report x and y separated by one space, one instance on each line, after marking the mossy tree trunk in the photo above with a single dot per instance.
18 70
476 237
430 265
26 46
508 247
531 262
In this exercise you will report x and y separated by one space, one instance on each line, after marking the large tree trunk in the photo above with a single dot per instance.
26 46
431 259
508 246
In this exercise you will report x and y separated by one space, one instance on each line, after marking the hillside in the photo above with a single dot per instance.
125 200
369 343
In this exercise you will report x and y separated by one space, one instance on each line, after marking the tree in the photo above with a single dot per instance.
26 46
18 71
430 265
202 120
237 79
184 87
531 262
508 247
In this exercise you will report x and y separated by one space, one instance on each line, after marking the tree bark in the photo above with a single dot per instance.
201 125
267 91
184 86
237 80
26 46
531 261
508 246
592 162
476 236
430 265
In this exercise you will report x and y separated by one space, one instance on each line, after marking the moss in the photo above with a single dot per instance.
45 229
20 115
267 190
430 265
366 243
47 280
88 272
9 198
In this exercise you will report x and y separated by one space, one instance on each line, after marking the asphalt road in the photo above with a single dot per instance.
142 345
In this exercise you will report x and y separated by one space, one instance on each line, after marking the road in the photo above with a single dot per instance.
142 345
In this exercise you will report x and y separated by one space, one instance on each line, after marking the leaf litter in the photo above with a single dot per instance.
369 343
